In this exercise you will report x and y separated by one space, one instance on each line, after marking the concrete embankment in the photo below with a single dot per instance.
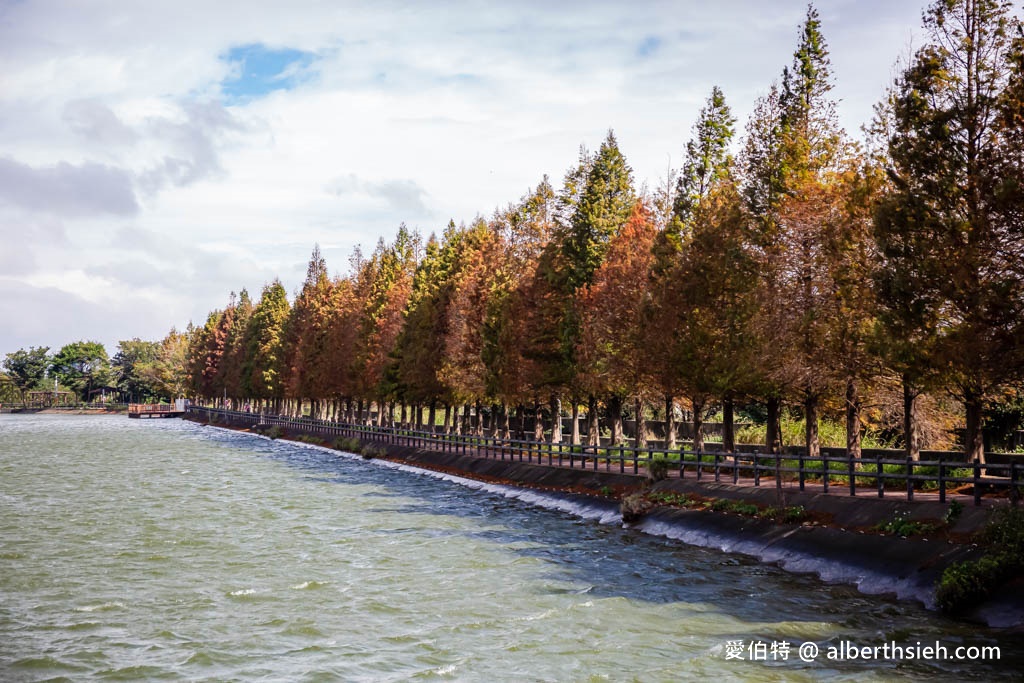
835 543
836 546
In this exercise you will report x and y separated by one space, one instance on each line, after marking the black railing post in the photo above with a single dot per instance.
942 482
977 481
801 470
824 471
1014 492
910 478
879 478
853 478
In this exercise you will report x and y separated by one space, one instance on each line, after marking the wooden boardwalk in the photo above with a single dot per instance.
151 410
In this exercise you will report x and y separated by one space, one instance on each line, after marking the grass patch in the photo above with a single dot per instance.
901 525
672 498
347 444
966 584
830 434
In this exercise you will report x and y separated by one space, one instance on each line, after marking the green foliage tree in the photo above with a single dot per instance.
794 152
82 366
707 160
233 365
950 233
604 206
170 378
25 369
134 367
263 344
683 279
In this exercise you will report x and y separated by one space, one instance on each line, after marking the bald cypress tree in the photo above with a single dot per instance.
790 163
950 233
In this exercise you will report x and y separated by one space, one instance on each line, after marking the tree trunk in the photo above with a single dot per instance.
853 429
432 416
574 438
538 421
615 418
698 423
974 437
447 418
419 416
556 419
640 435
728 425
506 427
773 432
670 422
911 436
811 425
520 422
593 424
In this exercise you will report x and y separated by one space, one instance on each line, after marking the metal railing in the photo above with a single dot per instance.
849 475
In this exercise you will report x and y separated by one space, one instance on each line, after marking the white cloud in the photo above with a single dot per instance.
124 173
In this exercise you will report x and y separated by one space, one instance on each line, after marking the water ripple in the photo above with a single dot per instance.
138 550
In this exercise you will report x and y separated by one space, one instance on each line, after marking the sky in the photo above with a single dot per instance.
157 156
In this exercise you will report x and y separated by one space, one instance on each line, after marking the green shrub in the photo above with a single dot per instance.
900 525
966 584
746 509
671 498
737 507
956 508
793 514
347 444
371 451
273 432
657 469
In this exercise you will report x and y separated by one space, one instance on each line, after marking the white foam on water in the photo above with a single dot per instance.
104 607
829 571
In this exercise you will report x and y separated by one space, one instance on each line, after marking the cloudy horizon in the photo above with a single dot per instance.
155 157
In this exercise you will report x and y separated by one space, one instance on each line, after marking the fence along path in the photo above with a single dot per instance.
829 474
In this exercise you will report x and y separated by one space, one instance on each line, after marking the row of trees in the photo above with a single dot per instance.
140 370
806 269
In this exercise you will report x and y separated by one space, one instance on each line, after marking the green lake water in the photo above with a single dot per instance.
162 550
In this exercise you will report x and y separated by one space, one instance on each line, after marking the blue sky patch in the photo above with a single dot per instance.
259 70
648 47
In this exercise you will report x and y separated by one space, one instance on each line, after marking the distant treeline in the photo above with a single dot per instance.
83 372
807 270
